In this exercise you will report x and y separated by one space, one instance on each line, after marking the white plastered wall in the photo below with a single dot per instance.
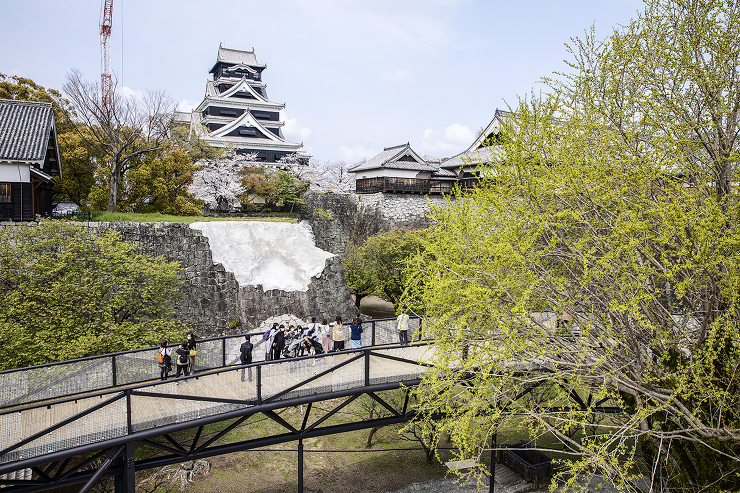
394 173
15 172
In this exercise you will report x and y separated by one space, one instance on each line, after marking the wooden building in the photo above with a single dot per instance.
236 111
29 159
401 170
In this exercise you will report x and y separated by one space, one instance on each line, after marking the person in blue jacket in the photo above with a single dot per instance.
356 333
245 355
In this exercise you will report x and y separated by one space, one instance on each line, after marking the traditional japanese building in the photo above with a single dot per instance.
482 150
401 170
237 112
29 159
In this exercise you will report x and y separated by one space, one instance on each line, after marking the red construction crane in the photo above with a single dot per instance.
106 83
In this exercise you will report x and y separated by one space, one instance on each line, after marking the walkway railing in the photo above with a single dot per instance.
95 373
113 415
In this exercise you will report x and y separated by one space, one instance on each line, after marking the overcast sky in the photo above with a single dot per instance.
355 75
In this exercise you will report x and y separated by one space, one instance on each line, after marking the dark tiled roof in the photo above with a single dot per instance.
228 55
472 158
24 129
389 159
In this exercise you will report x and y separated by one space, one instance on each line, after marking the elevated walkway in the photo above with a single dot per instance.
53 416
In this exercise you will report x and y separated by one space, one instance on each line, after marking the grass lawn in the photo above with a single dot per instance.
103 216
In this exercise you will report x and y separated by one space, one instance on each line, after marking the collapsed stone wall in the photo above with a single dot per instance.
211 297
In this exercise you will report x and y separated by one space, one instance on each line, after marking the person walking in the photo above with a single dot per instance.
356 333
337 334
182 359
403 327
245 356
191 352
325 336
164 360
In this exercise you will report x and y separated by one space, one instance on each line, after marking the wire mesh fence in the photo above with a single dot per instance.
38 383
45 428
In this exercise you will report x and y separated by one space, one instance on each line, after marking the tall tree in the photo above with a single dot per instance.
612 201
160 184
122 134
378 265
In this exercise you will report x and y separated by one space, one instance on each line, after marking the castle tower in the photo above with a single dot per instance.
237 112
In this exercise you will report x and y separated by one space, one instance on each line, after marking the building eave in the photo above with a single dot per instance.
237 104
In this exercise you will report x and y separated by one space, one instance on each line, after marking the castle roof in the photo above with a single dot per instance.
479 152
230 56
24 129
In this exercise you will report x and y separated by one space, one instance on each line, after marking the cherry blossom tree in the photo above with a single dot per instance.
329 176
218 182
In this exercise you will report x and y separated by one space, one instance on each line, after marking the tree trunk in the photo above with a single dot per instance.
358 299
369 442
115 178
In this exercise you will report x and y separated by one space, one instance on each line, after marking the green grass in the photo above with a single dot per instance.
103 216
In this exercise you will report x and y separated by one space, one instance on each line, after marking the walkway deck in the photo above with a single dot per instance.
38 433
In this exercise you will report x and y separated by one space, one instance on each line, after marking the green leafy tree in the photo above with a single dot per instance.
67 292
161 185
378 266
613 201
78 169
270 186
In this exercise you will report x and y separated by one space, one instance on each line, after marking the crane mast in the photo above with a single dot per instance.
106 84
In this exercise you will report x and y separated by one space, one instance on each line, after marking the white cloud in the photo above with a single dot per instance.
293 130
355 153
185 105
396 75
127 92
452 139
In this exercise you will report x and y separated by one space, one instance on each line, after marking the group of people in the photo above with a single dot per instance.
184 357
314 338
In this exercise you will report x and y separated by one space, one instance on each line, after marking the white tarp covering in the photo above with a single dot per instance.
274 255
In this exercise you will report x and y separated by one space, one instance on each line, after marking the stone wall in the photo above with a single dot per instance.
338 218
211 296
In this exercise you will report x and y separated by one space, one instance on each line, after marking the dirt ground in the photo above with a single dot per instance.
372 306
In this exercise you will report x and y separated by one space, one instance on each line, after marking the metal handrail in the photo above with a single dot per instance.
50 387
147 384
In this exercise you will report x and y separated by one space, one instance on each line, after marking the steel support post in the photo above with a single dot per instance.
372 331
115 370
300 466
126 481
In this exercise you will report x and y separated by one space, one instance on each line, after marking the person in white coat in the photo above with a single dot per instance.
403 327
